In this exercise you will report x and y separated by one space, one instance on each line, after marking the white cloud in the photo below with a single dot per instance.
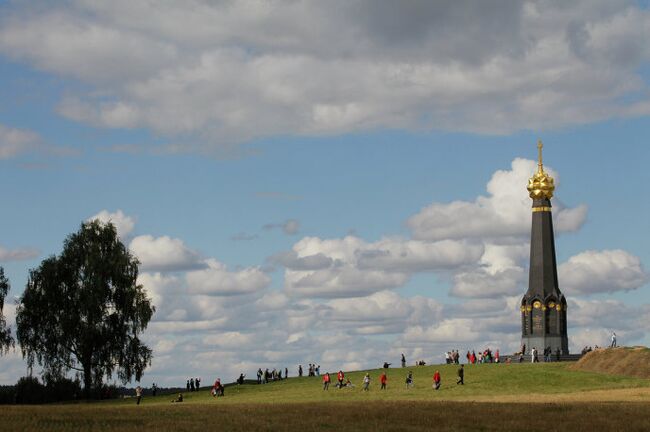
19 254
515 66
164 254
217 280
379 313
451 331
606 271
505 212
351 267
17 141
123 223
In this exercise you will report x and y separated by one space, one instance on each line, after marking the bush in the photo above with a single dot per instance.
29 391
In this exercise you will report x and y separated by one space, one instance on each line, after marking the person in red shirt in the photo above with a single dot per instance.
326 381
436 380
340 376
383 379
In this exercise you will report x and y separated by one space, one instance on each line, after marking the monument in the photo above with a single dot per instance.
543 307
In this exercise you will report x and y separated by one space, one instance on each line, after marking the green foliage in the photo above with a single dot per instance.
84 311
6 340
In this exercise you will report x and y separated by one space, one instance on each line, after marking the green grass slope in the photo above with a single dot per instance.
483 381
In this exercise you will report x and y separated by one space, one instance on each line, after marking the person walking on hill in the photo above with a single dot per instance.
366 382
409 380
383 379
138 394
326 381
300 371
461 376
340 376
613 345
403 360
436 380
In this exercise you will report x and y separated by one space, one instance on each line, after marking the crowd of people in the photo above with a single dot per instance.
266 376
193 384
345 383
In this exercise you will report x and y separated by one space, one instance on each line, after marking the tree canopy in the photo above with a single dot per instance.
6 340
84 311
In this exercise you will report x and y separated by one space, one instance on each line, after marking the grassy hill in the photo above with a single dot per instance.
629 361
530 397
482 382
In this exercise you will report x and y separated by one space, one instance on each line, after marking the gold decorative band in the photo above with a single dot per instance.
541 209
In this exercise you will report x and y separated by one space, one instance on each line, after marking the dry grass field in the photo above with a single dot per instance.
526 397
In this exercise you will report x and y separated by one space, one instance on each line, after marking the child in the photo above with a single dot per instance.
436 380
409 380
366 382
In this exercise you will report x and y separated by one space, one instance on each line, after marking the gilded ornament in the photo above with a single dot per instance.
540 185
537 304
558 307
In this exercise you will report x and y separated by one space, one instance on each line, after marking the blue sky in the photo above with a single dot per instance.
255 138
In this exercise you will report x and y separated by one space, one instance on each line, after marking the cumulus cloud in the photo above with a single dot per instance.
18 254
164 254
514 66
505 212
217 280
606 271
351 267
123 223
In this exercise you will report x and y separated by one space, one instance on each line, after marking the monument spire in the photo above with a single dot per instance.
543 307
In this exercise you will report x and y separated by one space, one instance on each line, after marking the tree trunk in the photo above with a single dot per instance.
88 380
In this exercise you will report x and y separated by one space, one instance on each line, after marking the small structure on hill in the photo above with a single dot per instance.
543 307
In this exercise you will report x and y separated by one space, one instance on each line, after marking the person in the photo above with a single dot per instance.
197 383
240 380
461 376
533 355
217 388
496 357
326 381
403 360
192 384
179 398
188 385
557 354
154 389
613 345
300 370
286 373
409 380
366 382
259 376
436 380
386 365
138 394
348 384
383 379
340 376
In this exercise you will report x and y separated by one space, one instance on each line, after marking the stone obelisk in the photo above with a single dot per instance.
543 307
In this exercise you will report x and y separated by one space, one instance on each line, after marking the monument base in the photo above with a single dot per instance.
541 342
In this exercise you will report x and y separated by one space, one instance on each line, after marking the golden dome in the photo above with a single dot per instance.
541 185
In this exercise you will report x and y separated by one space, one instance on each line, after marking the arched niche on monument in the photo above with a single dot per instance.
552 316
562 307
525 327
537 316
